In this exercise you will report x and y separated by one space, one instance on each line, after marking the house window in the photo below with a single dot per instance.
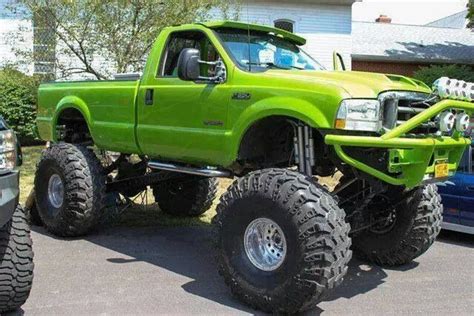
286 25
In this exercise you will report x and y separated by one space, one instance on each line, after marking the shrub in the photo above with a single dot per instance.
429 74
18 97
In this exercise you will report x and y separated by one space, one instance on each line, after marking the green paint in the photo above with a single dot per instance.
174 128
409 157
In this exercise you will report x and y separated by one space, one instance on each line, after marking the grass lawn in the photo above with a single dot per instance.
148 214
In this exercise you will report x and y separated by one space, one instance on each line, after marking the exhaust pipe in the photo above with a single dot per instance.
205 172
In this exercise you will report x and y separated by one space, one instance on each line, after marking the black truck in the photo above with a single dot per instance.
16 254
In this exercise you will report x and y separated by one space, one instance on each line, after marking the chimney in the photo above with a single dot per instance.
383 19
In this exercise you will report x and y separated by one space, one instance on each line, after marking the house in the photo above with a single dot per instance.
326 24
10 23
455 21
385 47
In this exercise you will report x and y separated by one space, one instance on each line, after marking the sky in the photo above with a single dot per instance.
406 11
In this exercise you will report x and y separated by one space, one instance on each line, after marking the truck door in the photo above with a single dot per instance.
182 120
454 192
450 191
466 199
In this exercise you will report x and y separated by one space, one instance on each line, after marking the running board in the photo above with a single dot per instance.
206 172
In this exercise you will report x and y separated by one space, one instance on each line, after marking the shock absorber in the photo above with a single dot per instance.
303 148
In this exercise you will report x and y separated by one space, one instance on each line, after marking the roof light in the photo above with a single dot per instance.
455 89
462 122
446 122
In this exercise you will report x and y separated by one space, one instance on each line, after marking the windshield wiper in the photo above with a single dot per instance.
273 65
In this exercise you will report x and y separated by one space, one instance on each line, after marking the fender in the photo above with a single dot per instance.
72 102
275 106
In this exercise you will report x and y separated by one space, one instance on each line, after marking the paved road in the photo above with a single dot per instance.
139 271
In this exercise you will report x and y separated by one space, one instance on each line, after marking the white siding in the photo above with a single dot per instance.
15 34
325 27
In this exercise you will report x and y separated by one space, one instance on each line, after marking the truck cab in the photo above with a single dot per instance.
458 196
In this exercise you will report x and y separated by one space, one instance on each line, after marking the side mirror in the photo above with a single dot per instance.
338 62
189 67
188 64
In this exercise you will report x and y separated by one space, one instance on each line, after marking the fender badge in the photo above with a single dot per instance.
213 123
241 96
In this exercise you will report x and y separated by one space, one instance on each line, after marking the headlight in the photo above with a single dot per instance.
359 115
8 156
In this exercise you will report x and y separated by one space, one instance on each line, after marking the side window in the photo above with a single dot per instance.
467 161
181 40
208 53
175 45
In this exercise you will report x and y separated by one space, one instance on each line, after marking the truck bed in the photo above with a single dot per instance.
108 107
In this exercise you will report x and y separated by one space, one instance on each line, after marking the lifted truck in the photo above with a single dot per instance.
227 99
16 254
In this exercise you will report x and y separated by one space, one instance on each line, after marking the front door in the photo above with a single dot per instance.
183 120
466 199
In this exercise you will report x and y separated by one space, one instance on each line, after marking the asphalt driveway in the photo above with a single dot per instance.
153 270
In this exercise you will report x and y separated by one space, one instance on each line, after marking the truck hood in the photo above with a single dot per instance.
357 84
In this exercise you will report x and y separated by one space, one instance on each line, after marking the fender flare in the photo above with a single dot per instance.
72 102
294 108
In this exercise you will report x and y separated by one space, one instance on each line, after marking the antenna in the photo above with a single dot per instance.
248 36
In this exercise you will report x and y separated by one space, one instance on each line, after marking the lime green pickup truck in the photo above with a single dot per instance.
227 99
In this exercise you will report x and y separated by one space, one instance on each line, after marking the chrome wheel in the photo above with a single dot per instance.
265 244
56 191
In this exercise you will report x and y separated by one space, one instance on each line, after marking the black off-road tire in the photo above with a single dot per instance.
16 262
317 237
418 216
84 189
186 196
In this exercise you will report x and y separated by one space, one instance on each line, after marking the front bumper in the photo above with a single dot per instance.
411 160
9 192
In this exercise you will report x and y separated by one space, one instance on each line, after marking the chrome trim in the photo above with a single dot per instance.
457 228
390 114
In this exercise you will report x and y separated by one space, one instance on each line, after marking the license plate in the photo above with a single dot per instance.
441 170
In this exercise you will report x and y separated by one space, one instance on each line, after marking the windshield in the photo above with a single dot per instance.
266 51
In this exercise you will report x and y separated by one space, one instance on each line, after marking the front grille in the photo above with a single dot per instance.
400 106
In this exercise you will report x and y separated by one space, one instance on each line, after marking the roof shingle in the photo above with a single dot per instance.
411 43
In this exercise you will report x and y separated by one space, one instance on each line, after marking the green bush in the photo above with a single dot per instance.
429 74
18 97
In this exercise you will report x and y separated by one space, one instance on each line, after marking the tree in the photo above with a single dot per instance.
470 14
98 37
18 98
429 74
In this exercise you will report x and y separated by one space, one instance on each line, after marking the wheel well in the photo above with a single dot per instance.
269 142
72 127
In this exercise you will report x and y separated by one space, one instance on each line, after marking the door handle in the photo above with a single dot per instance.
149 97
